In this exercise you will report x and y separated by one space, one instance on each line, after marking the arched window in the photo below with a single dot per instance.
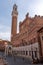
34 40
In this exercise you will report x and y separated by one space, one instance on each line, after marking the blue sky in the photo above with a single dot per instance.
24 6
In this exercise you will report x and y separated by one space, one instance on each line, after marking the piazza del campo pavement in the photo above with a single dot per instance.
25 47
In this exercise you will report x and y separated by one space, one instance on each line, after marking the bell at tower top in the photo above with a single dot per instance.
15 7
14 12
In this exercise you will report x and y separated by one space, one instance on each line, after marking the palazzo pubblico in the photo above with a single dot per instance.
29 40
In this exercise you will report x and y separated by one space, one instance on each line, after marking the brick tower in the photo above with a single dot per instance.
14 22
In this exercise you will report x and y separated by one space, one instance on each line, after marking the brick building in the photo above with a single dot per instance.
30 36
2 44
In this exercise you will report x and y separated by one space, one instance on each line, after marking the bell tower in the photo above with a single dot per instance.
14 22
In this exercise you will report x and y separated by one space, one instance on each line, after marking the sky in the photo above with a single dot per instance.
24 6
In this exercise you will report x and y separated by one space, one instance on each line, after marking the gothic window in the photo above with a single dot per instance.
34 40
29 42
32 24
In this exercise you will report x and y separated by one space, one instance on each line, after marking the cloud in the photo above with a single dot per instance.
5 35
1 26
4 27
5 32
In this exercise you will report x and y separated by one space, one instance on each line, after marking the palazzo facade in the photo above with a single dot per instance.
29 40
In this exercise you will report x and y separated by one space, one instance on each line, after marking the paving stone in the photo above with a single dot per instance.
10 60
